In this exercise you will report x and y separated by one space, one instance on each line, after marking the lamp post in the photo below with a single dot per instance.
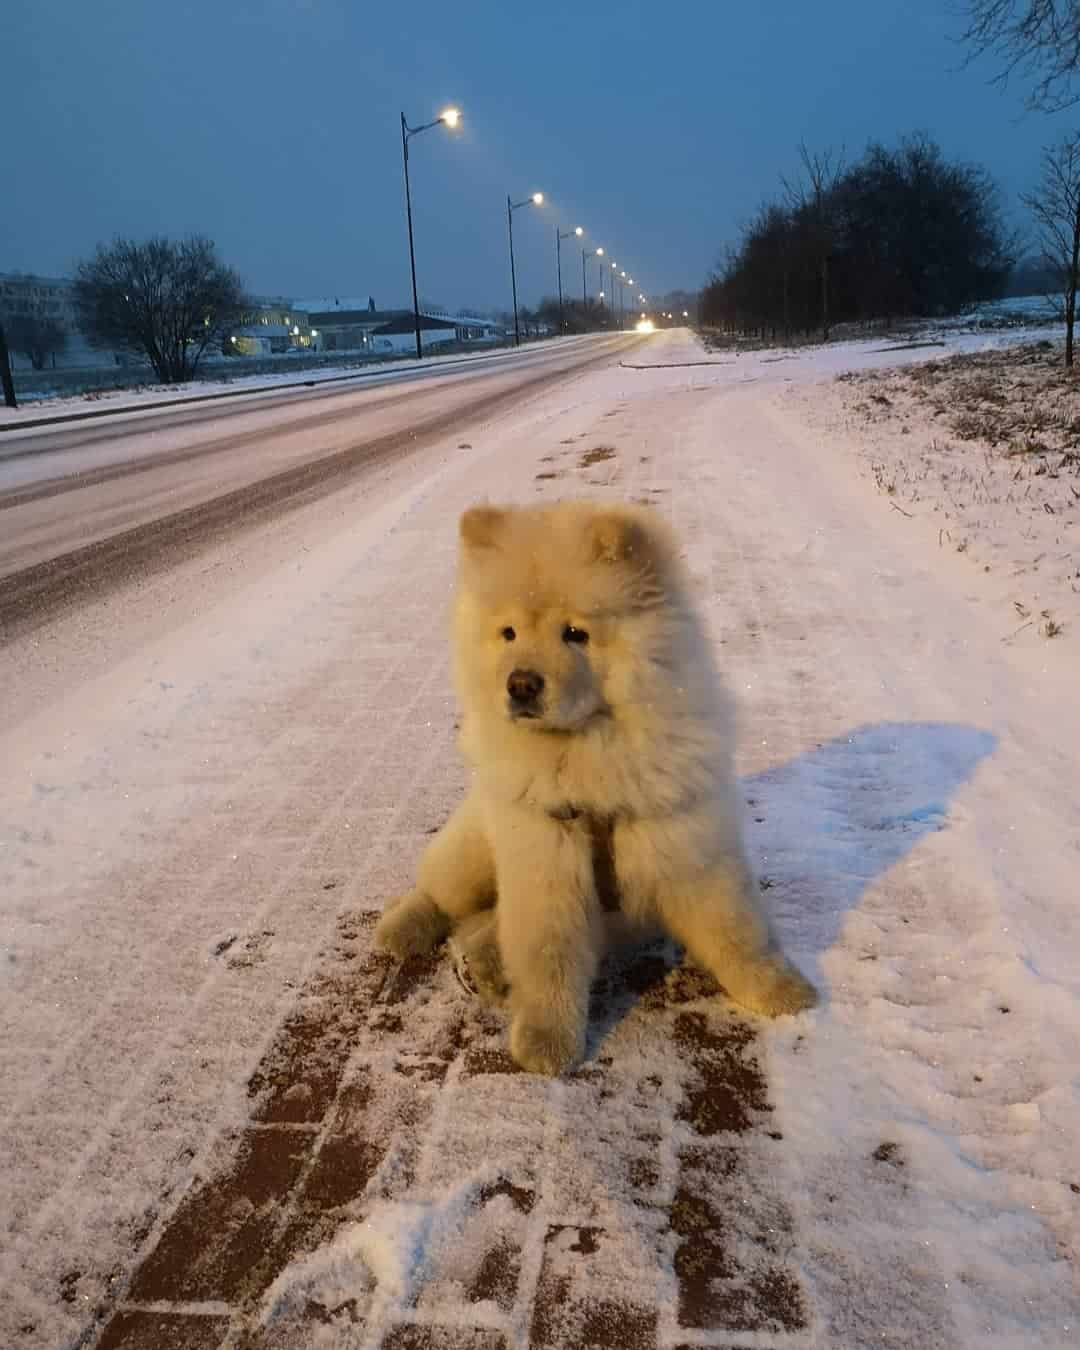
537 199
5 373
559 237
449 117
584 283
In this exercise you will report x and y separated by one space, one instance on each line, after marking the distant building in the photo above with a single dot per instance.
350 330
50 298
387 331
399 335
273 324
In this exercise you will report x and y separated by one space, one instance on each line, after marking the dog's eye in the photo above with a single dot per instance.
572 634
508 633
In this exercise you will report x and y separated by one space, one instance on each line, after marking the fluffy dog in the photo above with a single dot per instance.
591 708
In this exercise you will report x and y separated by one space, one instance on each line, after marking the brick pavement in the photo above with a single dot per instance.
634 1205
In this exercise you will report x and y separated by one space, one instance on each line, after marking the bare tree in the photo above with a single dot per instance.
169 301
1035 39
36 336
1055 204
813 199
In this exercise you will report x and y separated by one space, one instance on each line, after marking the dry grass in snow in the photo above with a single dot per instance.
987 446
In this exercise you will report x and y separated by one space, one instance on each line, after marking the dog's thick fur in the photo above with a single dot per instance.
631 733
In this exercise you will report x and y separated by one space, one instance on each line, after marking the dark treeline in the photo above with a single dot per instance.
902 232
576 317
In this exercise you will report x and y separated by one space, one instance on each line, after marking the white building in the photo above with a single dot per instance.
24 293
398 337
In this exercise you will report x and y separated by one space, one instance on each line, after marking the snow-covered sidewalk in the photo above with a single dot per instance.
227 1122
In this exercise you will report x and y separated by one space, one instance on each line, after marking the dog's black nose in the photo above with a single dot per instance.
525 686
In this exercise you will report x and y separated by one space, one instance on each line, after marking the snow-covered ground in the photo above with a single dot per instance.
237 762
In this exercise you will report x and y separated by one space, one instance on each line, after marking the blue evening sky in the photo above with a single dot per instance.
272 126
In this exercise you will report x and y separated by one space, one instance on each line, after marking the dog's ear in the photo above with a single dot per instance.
481 526
620 537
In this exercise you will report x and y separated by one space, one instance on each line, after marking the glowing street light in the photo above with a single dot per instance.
599 252
576 232
449 117
616 292
536 199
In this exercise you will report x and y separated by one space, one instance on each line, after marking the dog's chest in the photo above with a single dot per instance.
601 834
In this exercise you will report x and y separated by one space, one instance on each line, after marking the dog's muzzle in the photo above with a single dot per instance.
524 688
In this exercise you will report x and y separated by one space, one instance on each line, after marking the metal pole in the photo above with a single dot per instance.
584 290
558 267
5 372
513 274
408 212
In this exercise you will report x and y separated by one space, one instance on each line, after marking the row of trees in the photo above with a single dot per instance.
903 231
900 232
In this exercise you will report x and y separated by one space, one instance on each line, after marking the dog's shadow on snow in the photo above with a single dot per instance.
820 829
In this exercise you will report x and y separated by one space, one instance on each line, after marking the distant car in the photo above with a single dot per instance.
289 351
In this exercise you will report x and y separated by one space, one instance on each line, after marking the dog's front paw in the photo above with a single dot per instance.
474 949
783 990
545 1047
412 925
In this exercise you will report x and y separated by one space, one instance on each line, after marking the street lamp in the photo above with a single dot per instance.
537 199
449 117
617 278
559 237
584 284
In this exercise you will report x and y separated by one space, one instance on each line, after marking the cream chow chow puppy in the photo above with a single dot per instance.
591 708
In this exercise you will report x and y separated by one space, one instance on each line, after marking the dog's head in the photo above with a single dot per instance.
560 610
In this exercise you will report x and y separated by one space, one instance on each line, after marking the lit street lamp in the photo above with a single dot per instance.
559 237
449 117
584 284
537 199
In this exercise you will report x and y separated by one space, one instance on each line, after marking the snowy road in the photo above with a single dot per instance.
87 505
225 1122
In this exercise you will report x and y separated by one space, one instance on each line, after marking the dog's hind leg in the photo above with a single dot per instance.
456 878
